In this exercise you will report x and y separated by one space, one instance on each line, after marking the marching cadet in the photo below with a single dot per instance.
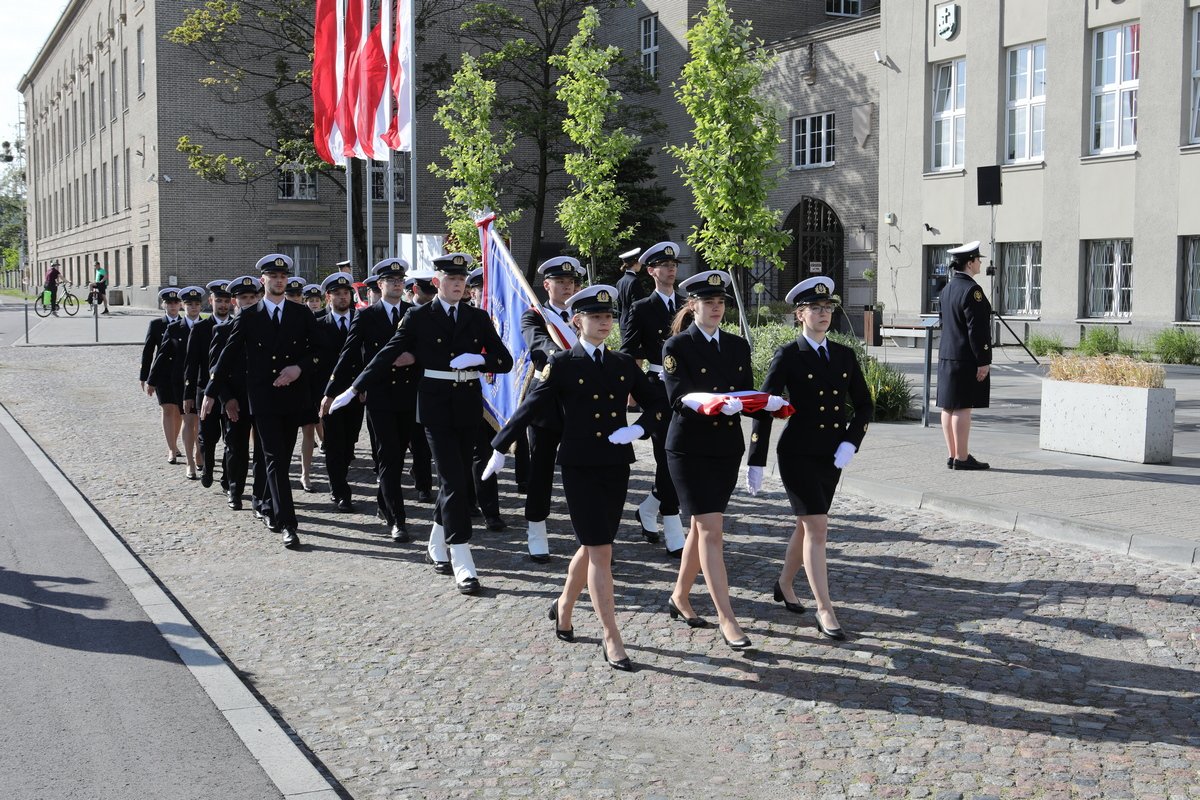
313 296
236 430
964 355
588 385
277 345
167 371
561 278
419 287
629 287
373 293
821 379
390 396
294 289
341 428
453 345
196 367
486 495
649 326
171 419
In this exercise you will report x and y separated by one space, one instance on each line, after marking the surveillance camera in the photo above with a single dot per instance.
878 58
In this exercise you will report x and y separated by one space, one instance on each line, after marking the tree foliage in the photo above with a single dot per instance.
645 202
474 156
728 164
590 214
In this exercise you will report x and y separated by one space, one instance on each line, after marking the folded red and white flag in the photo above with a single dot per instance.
710 404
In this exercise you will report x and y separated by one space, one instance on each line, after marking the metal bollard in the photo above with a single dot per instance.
96 320
27 320
931 325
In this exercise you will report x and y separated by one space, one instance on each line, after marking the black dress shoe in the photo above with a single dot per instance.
235 502
174 459
950 462
828 633
565 634
539 558
475 512
290 539
344 505
206 478
741 644
623 665
970 463
258 514
224 484
440 567
424 496
495 523
400 533
272 525
381 516
788 604
651 536
676 554
692 622
469 586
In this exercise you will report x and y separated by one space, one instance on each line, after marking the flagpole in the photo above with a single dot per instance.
412 131
349 213
369 188
391 197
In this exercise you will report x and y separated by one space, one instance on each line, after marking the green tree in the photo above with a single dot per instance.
645 202
590 213
474 157
728 164
12 210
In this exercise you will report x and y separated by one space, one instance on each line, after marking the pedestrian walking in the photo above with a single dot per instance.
170 410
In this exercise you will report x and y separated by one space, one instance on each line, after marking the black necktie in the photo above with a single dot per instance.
342 323
715 343
276 315
563 314
395 315
824 353
450 311
596 354
671 306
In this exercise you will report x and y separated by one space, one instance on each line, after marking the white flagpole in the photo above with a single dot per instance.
412 127
349 213
388 26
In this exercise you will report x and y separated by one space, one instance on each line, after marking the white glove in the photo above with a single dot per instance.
342 399
731 407
627 434
754 476
691 401
466 361
774 403
845 452
494 465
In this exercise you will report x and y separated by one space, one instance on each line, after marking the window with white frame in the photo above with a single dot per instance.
1025 120
1021 278
937 273
949 115
812 140
649 44
297 185
141 61
843 8
1109 279
379 182
1194 123
1116 65
1191 279
305 258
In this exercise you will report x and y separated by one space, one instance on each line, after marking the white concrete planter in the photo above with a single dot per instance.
1121 422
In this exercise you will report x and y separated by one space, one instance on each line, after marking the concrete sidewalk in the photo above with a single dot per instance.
120 326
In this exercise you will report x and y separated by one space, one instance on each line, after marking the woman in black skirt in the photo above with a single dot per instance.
823 381
167 375
589 384
964 355
171 409
703 451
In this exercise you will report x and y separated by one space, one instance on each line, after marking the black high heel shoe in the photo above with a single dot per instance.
828 633
788 604
623 665
739 645
692 622
565 634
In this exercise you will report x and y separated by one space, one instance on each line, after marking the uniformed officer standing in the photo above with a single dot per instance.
630 288
964 355
343 426
195 377
419 284
277 344
649 327
167 371
391 392
453 345
171 419
820 378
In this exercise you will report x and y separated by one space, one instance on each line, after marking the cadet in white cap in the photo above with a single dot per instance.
171 412
311 295
964 355
590 384
822 381
167 371
294 290
195 377
630 288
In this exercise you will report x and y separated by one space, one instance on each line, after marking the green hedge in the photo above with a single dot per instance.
1177 346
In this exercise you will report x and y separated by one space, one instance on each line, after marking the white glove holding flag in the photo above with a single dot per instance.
754 478
774 403
845 452
494 465
692 401
466 361
627 434
731 407
342 399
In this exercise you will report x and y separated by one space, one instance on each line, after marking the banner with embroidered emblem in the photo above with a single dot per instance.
710 404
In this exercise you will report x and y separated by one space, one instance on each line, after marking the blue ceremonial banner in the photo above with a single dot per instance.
506 296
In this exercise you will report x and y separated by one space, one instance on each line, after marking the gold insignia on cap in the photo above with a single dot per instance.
568 268
603 296
714 280
459 261
279 262
342 281
669 364
821 288
247 282
978 295
669 251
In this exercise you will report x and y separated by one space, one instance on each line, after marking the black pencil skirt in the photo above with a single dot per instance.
704 484
810 482
957 387
595 501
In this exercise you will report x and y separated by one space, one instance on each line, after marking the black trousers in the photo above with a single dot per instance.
422 458
209 432
393 429
452 449
664 488
277 432
342 428
543 450
521 461
485 493
237 451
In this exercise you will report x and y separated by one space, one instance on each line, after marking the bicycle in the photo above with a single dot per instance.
66 301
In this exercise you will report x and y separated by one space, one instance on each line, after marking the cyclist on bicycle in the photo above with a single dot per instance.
53 278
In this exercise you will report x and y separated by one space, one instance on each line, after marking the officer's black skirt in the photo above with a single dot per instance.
957 387
704 484
810 482
595 501
168 395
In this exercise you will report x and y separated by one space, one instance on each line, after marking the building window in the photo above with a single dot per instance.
1026 105
1116 64
116 173
127 205
112 87
937 272
125 78
305 258
812 140
297 185
95 205
1194 126
102 114
79 220
141 61
1191 267
649 38
949 114
84 217
379 182
1109 280
103 189
1021 278
91 104
843 8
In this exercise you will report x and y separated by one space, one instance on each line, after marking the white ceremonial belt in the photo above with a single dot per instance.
456 375
655 368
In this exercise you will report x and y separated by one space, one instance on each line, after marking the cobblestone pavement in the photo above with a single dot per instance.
980 664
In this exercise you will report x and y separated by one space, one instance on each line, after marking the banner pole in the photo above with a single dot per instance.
412 132
349 213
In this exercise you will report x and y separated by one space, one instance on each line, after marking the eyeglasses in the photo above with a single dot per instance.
821 309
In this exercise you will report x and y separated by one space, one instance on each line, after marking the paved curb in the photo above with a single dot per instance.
279 756
1047 526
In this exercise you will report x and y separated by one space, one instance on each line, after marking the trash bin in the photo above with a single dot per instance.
872 326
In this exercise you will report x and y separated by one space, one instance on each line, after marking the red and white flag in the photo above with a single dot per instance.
399 133
328 78
371 103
